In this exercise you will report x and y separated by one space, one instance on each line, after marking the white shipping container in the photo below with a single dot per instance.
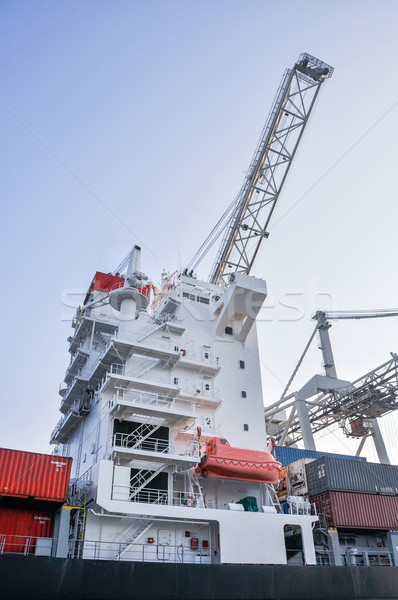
297 478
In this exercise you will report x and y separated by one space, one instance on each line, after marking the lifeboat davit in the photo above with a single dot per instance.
223 461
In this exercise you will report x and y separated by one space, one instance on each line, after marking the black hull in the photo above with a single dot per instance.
37 578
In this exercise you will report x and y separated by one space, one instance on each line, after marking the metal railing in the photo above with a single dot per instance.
127 440
149 552
23 544
372 558
156 496
144 399
152 552
117 369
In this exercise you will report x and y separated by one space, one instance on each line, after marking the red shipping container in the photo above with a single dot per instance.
358 511
31 475
16 525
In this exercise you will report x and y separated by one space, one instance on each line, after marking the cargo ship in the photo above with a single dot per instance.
176 488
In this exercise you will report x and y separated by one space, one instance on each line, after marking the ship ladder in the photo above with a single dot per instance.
271 497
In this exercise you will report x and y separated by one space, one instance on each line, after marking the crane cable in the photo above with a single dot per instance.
299 362
213 236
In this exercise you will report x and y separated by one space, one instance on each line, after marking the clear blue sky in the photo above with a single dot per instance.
127 122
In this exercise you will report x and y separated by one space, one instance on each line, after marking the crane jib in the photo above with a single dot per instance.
256 201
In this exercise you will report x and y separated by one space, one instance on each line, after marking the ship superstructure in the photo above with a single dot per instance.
147 393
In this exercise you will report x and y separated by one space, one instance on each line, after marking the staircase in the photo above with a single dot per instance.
272 498
143 477
142 433
139 366
196 485
131 535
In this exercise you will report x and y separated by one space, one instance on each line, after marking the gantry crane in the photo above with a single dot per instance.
355 406
245 223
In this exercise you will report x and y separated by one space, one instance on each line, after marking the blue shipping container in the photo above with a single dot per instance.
287 455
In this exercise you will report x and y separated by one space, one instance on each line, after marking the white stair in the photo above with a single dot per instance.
131 535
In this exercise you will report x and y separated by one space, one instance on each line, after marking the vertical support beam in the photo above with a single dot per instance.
61 532
305 424
379 443
361 445
334 547
92 335
392 539
326 347
286 429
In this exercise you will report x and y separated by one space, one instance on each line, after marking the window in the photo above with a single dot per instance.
175 381
228 330
245 427
176 348
189 296
244 394
241 364
206 355
223 442
203 300
207 387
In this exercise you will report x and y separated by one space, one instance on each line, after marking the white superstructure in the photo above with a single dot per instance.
141 381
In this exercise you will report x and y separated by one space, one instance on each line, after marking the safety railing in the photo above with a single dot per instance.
156 496
143 399
117 369
26 545
126 440
149 552
152 552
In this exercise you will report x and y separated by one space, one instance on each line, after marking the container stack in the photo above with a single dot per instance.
353 494
32 488
293 477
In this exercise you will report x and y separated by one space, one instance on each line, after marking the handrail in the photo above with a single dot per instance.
152 444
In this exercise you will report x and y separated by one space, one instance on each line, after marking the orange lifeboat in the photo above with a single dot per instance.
223 461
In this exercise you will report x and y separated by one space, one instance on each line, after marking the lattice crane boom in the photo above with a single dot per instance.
256 201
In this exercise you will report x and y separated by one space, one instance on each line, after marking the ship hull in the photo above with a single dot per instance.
56 579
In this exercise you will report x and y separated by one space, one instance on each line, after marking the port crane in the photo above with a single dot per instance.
325 399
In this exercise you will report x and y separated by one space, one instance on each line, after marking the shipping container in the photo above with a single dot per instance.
357 511
19 528
328 473
287 455
31 475
297 477
281 485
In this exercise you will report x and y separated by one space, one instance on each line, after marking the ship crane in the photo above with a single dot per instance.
245 223
354 406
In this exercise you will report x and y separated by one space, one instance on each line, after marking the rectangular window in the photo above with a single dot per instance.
189 296
228 330
203 300
245 427
241 364
244 395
